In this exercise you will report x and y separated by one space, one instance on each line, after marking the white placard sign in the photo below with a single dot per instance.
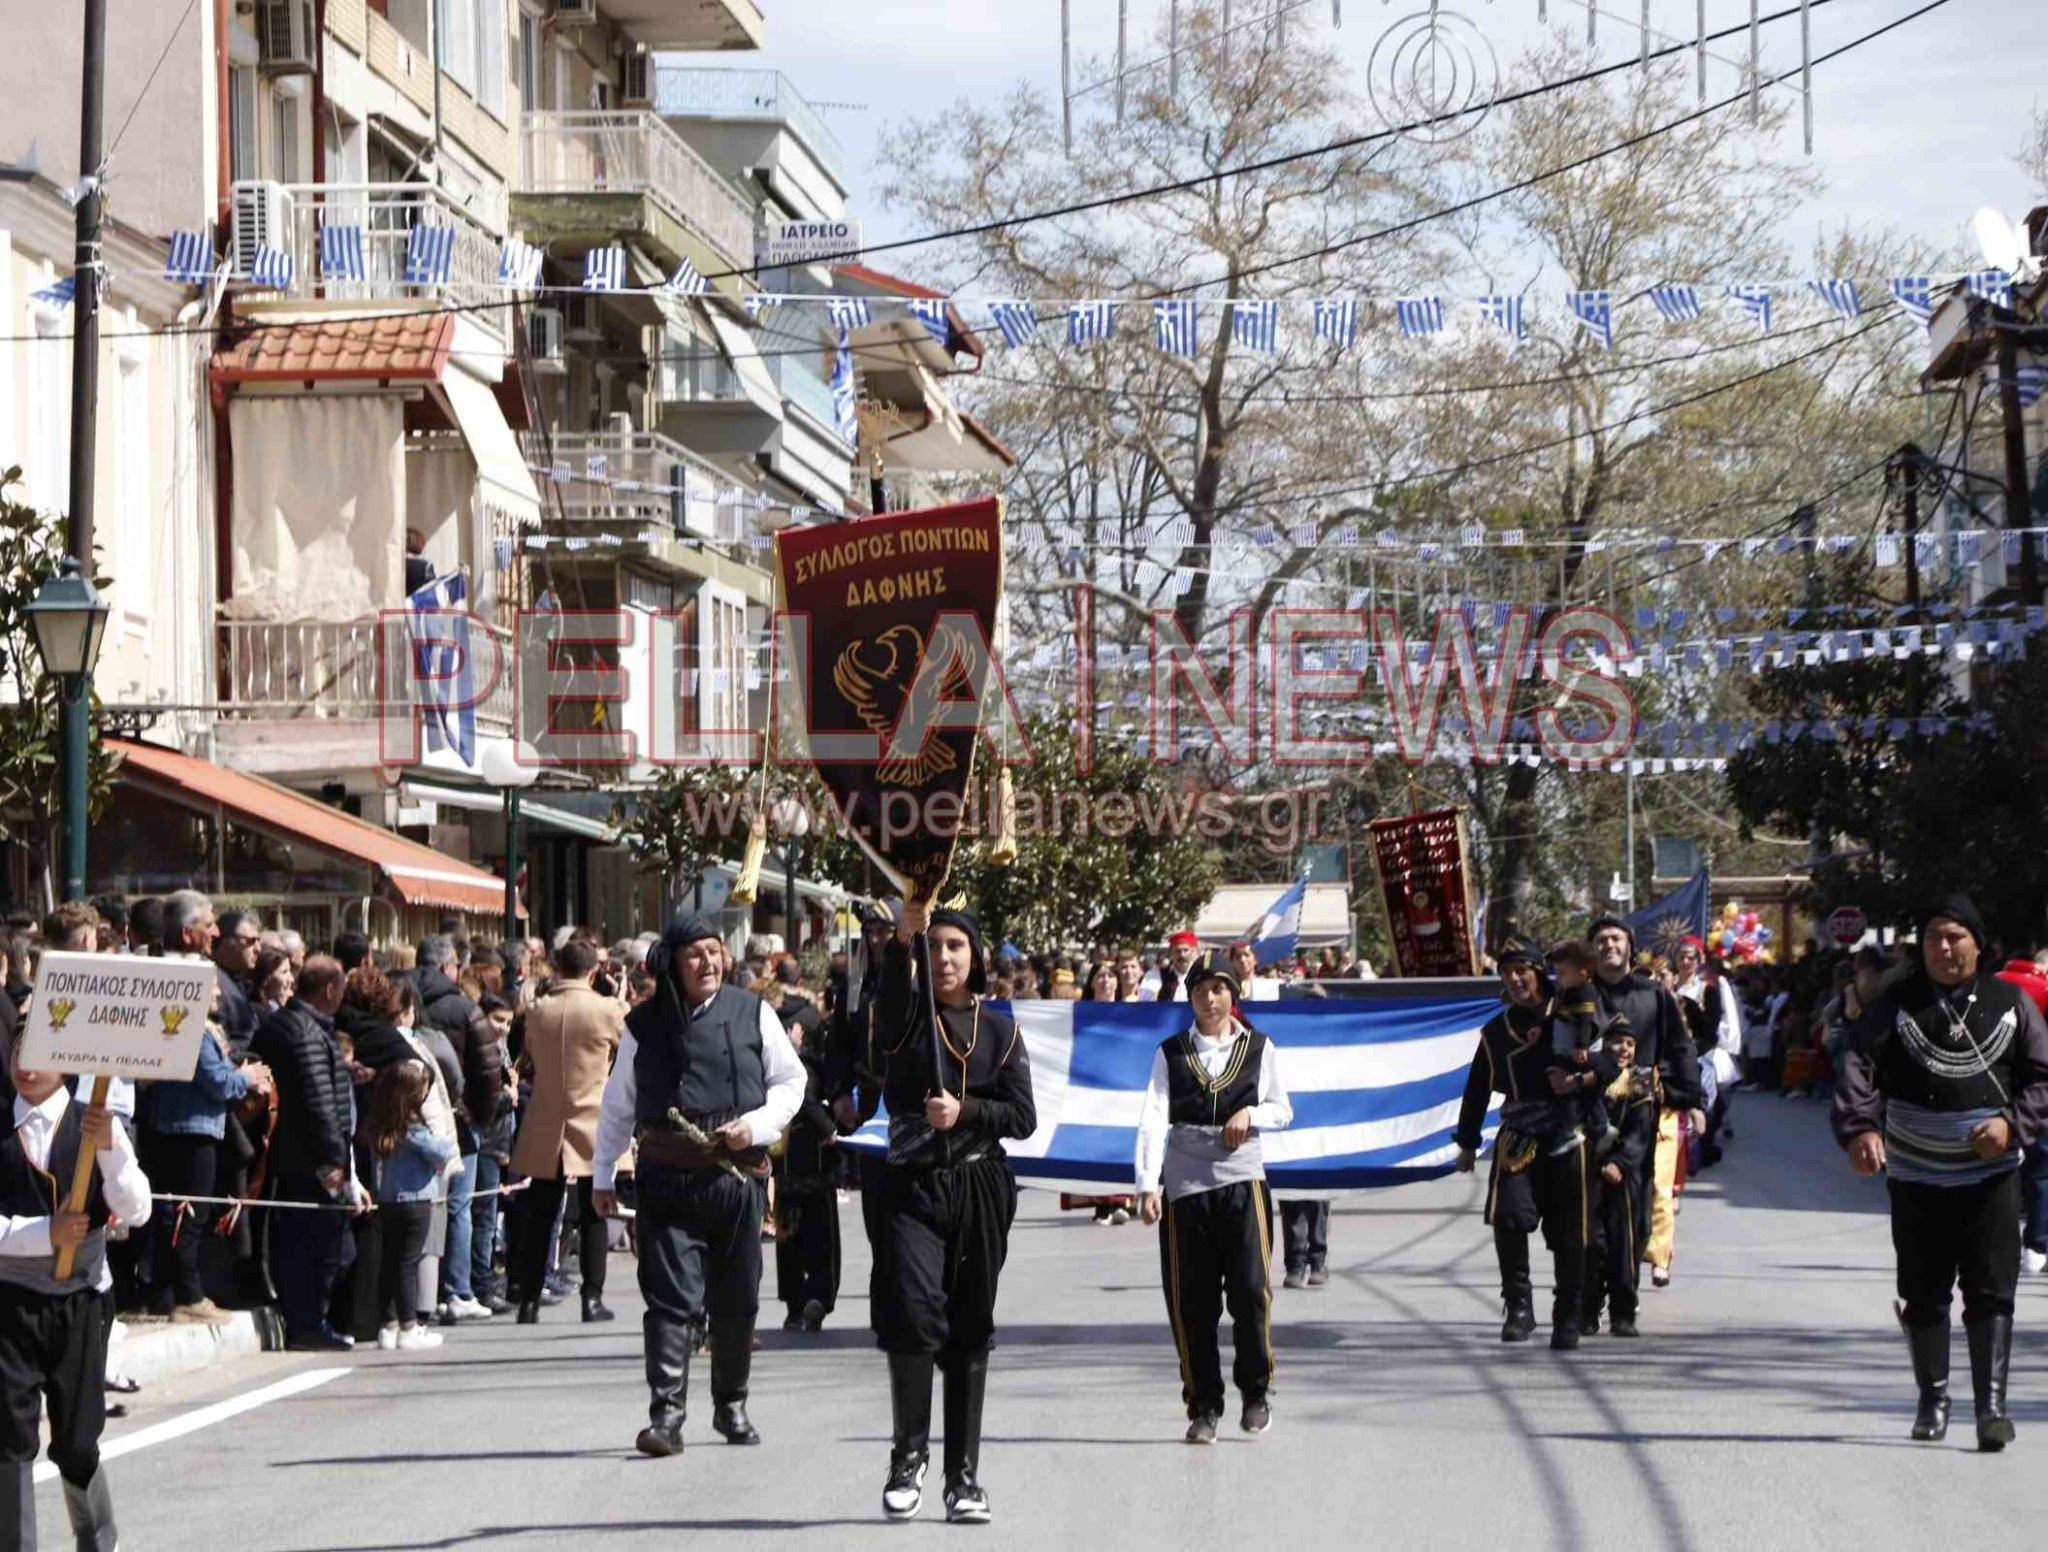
801 242
118 1013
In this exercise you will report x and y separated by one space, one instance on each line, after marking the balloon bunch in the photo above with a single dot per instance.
1740 937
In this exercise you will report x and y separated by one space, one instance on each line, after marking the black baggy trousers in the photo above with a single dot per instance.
1957 1236
941 1237
1216 1249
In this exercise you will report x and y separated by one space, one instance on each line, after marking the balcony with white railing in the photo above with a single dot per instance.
570 159
692 92
643 485
363 242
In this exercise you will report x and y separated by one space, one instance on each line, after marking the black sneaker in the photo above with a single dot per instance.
1318 1274
324 1340
814 1315
966 1503
1202 1430
903 1493
793 1322
1256 1417
1564 1338
1623 1326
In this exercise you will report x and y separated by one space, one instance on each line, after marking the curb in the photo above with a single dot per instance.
157 1350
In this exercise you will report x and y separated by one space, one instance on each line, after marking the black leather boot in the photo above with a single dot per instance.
595 1309
966 1385
1929 1347
18 1504
668 1385
910 1414
529 1312
1516 1295
1990 1353
92 1514
732 1361
1564 1326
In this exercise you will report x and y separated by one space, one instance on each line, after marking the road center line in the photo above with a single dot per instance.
204 1417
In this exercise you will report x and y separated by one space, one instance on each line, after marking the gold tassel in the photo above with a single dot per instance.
748 884
1002 830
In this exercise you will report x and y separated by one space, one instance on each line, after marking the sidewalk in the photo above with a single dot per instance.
151 1348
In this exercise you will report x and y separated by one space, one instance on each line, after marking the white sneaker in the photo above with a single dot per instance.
469 1309
2034 1262
387 1339
417 1338
1119 1218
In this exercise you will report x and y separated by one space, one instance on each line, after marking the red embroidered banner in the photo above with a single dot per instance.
1423 886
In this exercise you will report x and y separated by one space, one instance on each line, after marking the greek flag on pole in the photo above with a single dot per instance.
1256 325
1915 293
1088 321
604 269
1376 1083
1756 301
1419 315
341 253
58 293
686 281
445 666
1337 322
272 269
1506 314
430 256
1176 326
845 402
1840 295
1595 312
191 260
1994 285
1015 321
1277 933
848 312
931 312
519 264
1676 304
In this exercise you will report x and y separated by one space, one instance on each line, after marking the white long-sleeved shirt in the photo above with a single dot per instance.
121 1178
780 1069
1272 1111
1148 988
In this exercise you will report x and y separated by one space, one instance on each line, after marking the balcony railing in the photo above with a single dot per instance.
314 670
635 153
686 92
369 252
645 478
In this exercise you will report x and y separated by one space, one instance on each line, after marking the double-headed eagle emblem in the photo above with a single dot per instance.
880 680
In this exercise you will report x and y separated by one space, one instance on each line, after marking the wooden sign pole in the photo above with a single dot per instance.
81 1180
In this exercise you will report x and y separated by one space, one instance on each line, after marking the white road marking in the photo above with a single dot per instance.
204 1417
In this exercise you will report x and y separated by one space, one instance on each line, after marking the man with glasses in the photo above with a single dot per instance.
240 937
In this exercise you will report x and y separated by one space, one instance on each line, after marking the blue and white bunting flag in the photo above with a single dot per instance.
1756 301
1376 1081
430 256
272 268
519 264
341 253
1675 304
1840 295
1277 933
1506 313
1915 293
1336 320
1595 312
446 668
1015 321
1419 315
756 303
1993 285
845 395
1176 326
931 312
191 260
1090 321
686 281
2033 379
58 293
1256 325
848 312
604 269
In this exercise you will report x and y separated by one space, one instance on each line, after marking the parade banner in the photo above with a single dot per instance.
887 628
117 1014
1376 1083
1424 888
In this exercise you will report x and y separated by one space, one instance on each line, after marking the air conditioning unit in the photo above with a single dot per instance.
544 340
575 13
619 424
579 317
636 81
286 37
263 219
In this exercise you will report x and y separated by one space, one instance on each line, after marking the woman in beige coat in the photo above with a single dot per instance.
572 1035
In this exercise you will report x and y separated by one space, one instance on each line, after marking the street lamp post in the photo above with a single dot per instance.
67 618
794 821
501 767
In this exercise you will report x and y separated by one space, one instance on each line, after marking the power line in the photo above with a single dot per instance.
169 42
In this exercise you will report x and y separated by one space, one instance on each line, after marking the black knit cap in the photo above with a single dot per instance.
687 927
963 921
1960 909
1610 920
1214 967
1518 951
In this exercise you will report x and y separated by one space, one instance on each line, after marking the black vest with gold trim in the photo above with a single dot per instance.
1193 1098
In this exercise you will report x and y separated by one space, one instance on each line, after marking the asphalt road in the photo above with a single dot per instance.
1767 1406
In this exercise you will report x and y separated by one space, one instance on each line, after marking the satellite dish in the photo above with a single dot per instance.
2003 246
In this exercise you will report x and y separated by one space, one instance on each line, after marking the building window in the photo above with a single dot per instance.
242 122
472 44
529 61
49 464
284 138
132 566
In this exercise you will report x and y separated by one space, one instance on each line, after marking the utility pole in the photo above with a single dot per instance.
2018 487
75 690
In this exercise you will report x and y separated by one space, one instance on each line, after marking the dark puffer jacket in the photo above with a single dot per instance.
314 1094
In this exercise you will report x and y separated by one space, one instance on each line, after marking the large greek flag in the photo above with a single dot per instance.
1376 1082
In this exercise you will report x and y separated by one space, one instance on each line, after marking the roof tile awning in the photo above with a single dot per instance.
407 347
418 874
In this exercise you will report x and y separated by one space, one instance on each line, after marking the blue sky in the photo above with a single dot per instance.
1915 130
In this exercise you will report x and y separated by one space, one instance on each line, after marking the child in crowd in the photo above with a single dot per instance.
1613 1262
409 1160
1574 1037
